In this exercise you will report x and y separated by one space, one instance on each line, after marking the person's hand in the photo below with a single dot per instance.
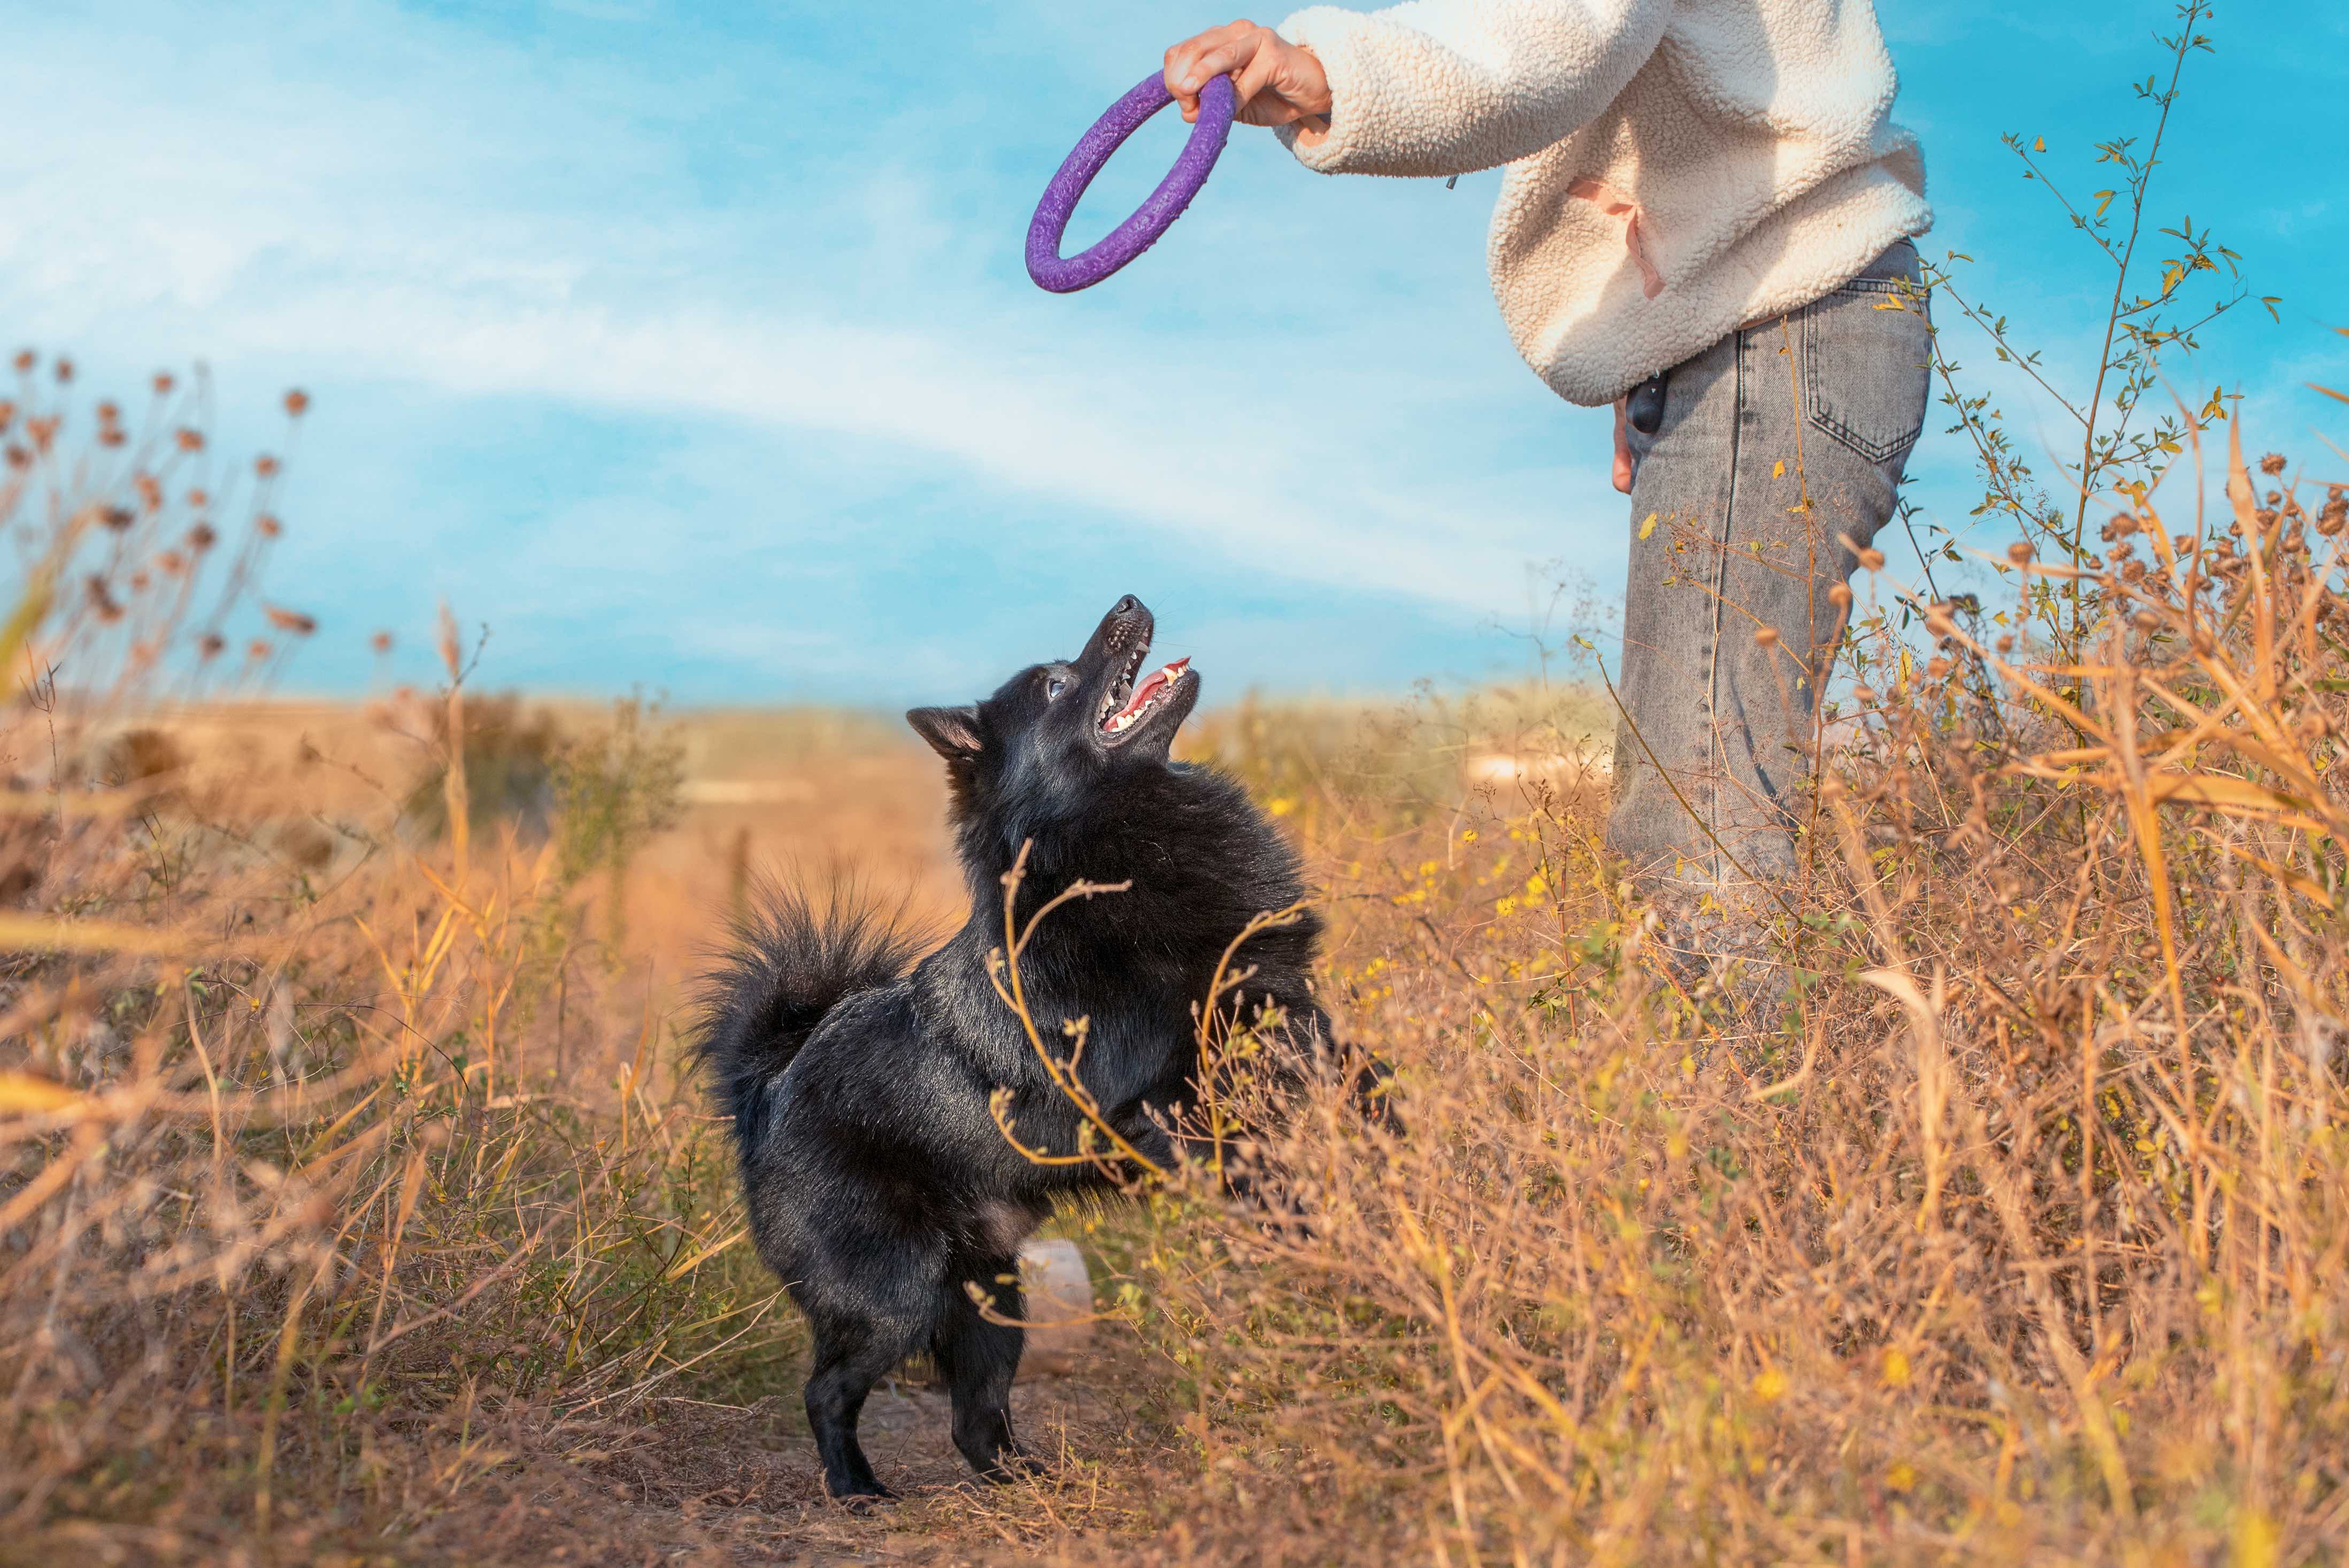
1275 82
1623 444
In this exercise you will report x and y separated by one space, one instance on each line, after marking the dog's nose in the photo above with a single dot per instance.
1126 605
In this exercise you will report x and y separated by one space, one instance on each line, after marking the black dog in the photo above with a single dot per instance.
880 1185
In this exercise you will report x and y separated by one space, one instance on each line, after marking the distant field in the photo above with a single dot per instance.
802 791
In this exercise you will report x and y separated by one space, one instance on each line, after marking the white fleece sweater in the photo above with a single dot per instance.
1675 168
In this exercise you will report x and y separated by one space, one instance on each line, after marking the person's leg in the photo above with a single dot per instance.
1776 461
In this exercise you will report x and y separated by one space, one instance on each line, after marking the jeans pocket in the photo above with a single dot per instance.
1866 354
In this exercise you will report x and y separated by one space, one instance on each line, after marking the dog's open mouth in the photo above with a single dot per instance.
1126 705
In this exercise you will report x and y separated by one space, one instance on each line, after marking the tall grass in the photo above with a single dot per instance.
348 1203
318 1173
2024 1245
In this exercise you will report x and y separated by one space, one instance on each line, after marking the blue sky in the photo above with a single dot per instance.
691 346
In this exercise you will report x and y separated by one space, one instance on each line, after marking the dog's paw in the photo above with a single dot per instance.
860 1500
1018 1462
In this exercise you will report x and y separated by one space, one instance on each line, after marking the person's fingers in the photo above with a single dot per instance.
1259 106
1225 52
1186 71
1251 55
1191 64
1182 67
1221 59
1623 447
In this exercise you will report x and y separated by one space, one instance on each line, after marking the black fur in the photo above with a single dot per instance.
878 1184
790 964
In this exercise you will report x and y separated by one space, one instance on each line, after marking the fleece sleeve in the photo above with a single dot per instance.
1445 87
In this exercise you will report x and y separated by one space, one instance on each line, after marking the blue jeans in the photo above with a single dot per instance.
1774 463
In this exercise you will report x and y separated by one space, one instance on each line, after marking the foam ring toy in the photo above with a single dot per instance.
1066 274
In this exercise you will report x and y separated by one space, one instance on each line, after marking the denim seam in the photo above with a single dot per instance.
1716 762
1874 451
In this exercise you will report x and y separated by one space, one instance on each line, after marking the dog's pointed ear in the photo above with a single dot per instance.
951 732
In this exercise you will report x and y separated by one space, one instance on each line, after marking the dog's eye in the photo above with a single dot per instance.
1054 686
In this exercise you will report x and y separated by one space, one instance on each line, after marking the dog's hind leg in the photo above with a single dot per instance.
849 1358
976 1359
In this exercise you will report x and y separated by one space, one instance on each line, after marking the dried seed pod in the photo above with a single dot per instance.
1766 637
2021 553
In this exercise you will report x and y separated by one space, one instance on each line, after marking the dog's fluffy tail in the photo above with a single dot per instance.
791 960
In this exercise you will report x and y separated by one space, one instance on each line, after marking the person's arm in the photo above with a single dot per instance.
1428 87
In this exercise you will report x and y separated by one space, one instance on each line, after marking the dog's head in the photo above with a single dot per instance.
1053 734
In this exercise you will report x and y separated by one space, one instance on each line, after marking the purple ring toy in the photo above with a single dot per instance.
1158 210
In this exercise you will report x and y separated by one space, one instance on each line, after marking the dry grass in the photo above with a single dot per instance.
2024 1245
352 1208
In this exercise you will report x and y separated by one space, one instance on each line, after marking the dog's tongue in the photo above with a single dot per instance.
1150 683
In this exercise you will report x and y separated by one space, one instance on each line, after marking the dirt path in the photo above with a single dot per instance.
697 1484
